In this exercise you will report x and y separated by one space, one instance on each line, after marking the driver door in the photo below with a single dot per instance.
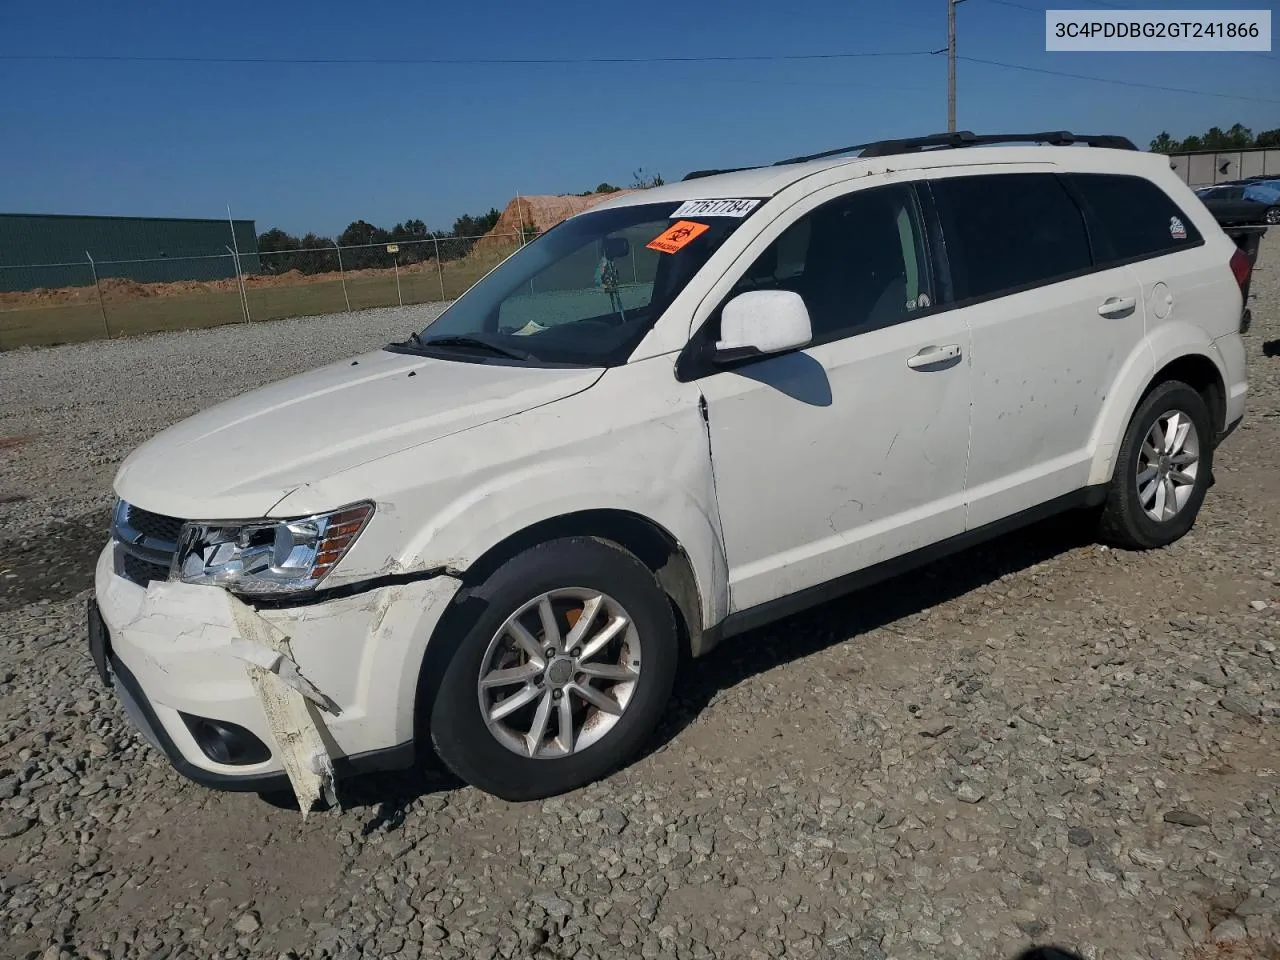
852 451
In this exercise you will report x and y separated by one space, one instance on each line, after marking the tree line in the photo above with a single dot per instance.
640 180
1237 137
313 253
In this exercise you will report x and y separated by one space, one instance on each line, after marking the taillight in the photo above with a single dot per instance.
1241 268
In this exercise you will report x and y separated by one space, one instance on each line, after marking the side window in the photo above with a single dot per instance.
1009 232
857 261
1138 219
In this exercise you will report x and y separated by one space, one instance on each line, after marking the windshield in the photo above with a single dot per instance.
584 293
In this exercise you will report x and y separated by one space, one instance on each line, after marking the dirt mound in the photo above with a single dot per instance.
540 212
274 279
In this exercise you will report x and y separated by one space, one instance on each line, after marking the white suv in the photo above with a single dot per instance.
677 416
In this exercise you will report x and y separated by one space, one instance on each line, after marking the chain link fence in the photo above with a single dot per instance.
50 303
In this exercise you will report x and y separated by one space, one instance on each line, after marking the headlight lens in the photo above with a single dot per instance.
264 557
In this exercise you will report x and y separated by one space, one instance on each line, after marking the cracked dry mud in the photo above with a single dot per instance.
1040 741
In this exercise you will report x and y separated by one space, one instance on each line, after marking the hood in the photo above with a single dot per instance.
238 459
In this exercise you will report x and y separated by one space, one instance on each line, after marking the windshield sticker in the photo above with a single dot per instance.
1176 229
677 236
714 208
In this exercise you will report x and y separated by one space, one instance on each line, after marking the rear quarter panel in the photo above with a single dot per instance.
1191 303
1204 290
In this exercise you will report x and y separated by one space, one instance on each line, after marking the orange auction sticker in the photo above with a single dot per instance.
678 235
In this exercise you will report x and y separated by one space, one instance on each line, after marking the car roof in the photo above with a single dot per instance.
767 181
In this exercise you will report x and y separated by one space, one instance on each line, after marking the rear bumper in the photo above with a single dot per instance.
1235 365
363 652
1231 428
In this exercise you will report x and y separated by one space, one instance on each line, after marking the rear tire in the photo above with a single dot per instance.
1163 469
607 682
1272 216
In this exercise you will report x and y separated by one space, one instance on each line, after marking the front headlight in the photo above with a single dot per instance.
262 557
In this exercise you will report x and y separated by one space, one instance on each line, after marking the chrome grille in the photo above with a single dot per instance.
138 570
145 543
154 525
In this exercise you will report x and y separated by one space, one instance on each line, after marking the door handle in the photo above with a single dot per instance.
1117 306
934 355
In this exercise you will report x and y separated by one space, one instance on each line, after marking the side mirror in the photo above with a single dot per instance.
762 322
615 248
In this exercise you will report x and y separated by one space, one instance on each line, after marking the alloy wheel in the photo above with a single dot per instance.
559 673
1168 465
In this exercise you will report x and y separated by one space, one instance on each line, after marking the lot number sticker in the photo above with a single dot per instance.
714 208
677 236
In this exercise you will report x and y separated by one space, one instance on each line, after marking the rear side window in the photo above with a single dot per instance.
1009 232
1133 217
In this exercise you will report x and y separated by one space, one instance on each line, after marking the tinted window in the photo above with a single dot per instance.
857 261
1135 218
1006 232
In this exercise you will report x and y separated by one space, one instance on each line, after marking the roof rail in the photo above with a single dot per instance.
966 138
948 141
699 174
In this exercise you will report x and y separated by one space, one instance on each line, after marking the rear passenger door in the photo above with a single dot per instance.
1049 334
1134 223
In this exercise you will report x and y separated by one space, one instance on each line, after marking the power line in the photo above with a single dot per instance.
1042 10
1121 83
1017 6
451 61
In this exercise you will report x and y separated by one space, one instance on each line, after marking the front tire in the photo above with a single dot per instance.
1163 469
1272 216
561 676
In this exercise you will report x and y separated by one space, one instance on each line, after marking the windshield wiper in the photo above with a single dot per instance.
474 343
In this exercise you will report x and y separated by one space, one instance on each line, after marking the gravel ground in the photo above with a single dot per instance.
1039 741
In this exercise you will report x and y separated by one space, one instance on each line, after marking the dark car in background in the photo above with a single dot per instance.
1239 203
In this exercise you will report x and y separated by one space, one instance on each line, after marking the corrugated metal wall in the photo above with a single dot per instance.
165 249
1205 169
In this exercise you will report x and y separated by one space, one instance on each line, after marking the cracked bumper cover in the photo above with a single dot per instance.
362 650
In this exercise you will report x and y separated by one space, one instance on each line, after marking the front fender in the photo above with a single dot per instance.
635 442
465 529
1161 347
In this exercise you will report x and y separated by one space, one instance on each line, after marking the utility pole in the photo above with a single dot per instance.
951 64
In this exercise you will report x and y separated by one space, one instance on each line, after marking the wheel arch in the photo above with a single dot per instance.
1177 352
1200 373
652 544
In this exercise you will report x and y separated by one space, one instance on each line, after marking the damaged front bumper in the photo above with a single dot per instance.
235 696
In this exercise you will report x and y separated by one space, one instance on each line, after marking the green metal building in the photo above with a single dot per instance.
53 250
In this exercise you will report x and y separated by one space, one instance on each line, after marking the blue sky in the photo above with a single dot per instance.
312 147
